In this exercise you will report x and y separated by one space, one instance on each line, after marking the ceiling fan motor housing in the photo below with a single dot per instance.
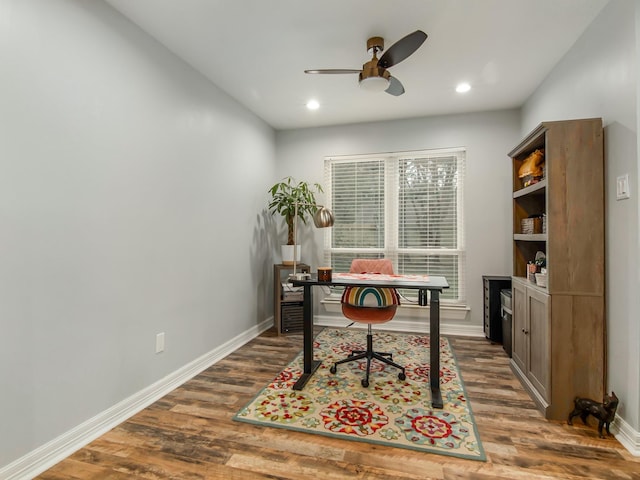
371 68
377 43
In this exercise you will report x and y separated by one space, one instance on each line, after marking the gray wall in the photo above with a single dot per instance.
131 199
599 78
487 137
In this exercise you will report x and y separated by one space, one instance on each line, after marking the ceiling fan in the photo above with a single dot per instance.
374 75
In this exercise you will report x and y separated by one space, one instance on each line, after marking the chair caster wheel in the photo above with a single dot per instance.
402 376
333 369
365 383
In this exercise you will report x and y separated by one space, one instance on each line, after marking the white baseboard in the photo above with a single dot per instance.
627 436
47 455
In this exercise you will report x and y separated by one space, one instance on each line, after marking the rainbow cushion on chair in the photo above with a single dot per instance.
377 297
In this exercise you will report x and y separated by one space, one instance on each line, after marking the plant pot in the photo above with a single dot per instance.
287 254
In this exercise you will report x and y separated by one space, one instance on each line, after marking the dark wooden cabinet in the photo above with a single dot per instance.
287 306
492 316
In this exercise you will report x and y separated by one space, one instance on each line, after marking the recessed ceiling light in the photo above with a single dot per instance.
463 87
313 105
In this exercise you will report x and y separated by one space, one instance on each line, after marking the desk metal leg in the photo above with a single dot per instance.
310 365
434 348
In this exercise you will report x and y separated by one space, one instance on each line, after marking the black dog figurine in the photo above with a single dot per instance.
604 412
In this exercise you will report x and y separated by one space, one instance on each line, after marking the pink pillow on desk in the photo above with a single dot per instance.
381 265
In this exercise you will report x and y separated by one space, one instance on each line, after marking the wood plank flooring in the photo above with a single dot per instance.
189 433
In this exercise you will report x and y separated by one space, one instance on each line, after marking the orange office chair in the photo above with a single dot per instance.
370 305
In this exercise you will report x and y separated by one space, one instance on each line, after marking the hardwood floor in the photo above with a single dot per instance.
189 433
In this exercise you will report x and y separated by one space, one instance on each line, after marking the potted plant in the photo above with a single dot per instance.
284 197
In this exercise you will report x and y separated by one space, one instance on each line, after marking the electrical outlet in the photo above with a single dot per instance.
160 342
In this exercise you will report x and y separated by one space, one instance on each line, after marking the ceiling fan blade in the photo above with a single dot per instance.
395 88
333 71
402 49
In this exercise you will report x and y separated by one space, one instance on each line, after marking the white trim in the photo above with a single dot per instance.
47 455
627 436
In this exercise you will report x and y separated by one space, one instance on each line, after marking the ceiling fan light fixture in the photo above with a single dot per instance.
374 84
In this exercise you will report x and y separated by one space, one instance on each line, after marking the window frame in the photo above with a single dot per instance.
391 248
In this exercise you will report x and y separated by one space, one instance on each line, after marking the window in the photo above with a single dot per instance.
407 207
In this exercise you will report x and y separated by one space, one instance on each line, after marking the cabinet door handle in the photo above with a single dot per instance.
525 331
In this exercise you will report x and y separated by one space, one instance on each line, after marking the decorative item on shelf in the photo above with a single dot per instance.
541 272
300 276
291 293
532 169
605 412
531 272
535 267
297 200
531 225
541 278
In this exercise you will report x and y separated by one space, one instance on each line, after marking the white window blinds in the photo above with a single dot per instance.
403 206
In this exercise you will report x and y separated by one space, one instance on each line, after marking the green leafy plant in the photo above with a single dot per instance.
285 195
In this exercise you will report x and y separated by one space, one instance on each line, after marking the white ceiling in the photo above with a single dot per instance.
256 51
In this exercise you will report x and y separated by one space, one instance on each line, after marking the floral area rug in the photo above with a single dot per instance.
389 412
